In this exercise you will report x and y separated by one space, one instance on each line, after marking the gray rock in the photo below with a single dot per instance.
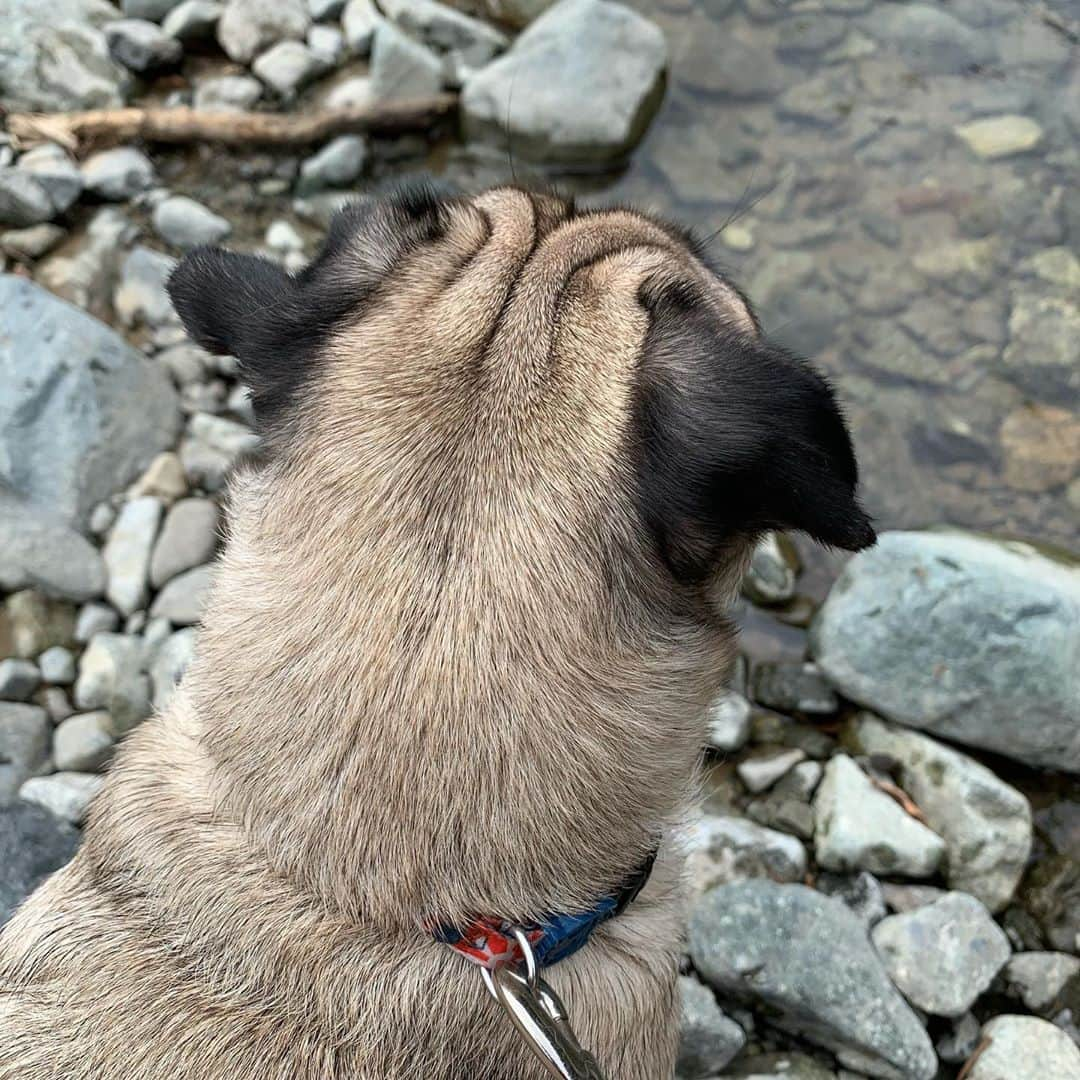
127 553
1024 1048
805 958
282 237
56 703
95 619
23 201
38 551
976 643
336 165
188 539
773 570
794 687
468 41
57 665
33 843
25 734
163 478
985 823
930 40
119 174
170 663
358 23
182 601
1043 353
402 67
964 267
227 93
53 57
51 167
141 296
728 722
960 1042
288 66
862 893
84 743
858 827
249 27
65 794
1038 979
186 363
226 439
69 435
579 85
18 679
193 20
142 46
761 771
708 1039
944 955
86 278
185 223
722 849
154 10
785 1065
31 243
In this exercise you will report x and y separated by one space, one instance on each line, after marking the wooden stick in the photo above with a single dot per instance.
183 125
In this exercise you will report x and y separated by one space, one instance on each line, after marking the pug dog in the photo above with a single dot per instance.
471 609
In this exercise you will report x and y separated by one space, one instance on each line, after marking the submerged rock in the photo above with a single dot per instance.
964 636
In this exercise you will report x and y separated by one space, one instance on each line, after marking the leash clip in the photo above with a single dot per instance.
540 1016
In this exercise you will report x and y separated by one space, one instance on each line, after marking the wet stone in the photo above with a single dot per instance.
1000 136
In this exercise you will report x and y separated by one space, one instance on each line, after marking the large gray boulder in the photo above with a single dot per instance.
54 56
806 960
82 413
985 823
579 85
964 636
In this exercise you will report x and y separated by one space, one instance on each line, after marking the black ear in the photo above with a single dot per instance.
223 298
738 436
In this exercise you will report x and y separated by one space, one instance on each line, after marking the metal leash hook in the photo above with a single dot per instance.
540 1017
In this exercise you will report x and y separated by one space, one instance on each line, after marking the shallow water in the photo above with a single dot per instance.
940 289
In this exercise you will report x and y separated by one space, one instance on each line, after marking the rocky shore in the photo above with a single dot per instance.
885 878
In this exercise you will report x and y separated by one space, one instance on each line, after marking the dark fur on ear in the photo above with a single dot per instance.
738 436
276 324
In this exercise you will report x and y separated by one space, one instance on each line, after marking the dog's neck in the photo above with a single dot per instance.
410 740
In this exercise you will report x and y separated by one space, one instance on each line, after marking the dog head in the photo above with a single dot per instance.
515 361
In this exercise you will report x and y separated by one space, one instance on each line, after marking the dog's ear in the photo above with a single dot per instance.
224 299
738 436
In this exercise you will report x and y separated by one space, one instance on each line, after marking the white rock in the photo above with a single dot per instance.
163 478
283 238
1001 136
66 794
858 827
94 619
127 553
728 721
84 743
358 22
141 45
170 663
336 165
350 94
193 20
1038 978
188 539
761 771
327 44
402 67
23 201
141 298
